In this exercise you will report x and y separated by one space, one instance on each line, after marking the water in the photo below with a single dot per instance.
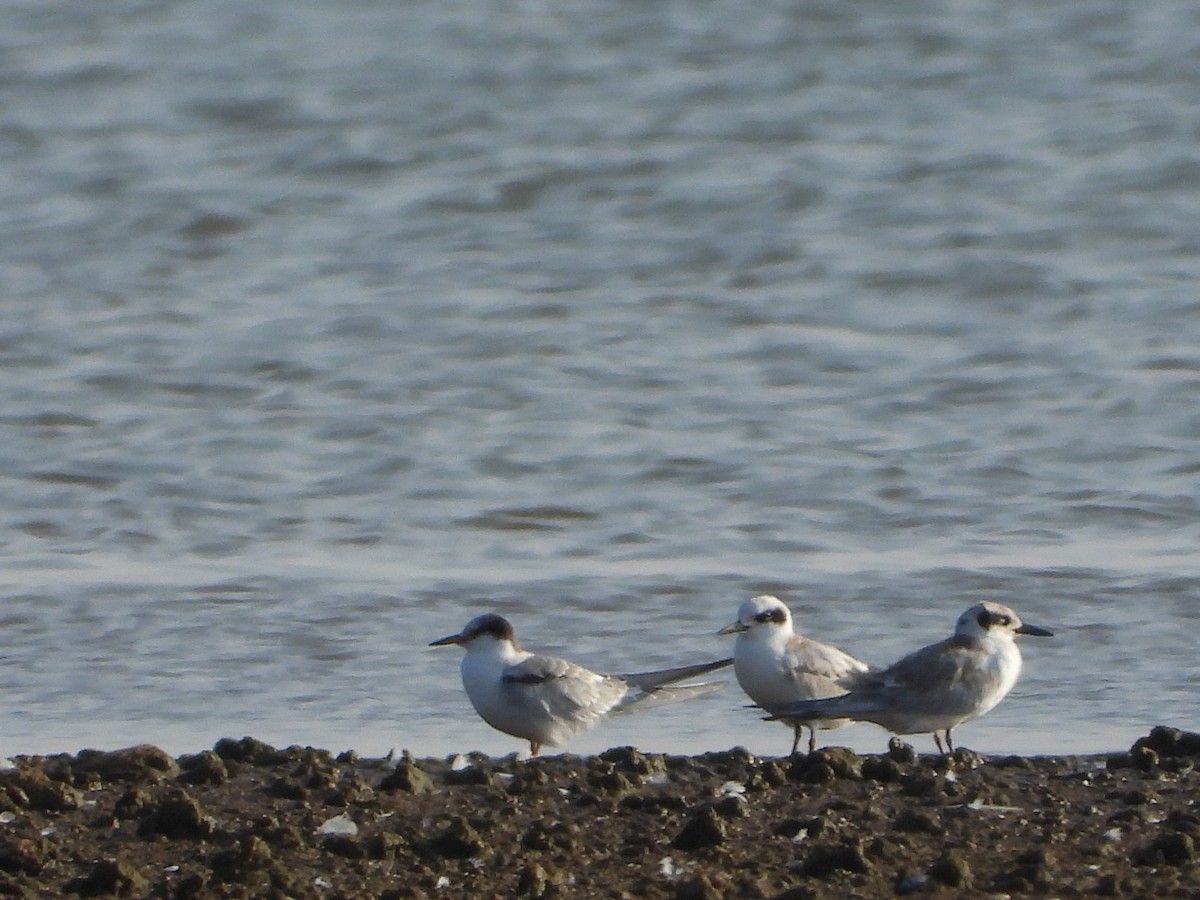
329 326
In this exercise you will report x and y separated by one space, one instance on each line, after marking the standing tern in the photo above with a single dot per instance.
938 687
546 700
775 666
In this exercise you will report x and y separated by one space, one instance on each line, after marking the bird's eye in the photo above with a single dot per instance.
763 617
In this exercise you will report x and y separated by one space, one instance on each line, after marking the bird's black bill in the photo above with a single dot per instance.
448 639
1035 630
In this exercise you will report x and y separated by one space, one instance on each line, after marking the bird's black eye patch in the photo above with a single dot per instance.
775 615
988 619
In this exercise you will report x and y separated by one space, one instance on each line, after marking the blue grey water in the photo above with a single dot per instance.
328 326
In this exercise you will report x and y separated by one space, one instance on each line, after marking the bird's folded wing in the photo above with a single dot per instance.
824 661
562 688
938 667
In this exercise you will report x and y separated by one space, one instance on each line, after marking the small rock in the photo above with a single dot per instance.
1028 873
109 877
731 807
31 789
248 749
883 769
844 762
176 815
22 856
138 764
824 860
1174 849
952 871
203 768
131 804
702 830
344 845
458 841
633 762
533 881
246 862
913 821
901 751
284 788
408 778
926 786
610 782
1144 758
383 845
708 886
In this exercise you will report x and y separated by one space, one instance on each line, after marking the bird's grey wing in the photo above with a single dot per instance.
822 667
561 688
927 678
652 681
930 670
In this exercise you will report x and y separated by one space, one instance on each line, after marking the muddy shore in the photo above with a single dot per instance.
248 820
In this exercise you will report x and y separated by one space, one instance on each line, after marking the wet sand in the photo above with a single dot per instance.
248 820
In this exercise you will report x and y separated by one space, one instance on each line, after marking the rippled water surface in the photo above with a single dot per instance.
328 326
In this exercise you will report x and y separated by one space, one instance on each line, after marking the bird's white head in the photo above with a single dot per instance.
763 615
994 619
489 628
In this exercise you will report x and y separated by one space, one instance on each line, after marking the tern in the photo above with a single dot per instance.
938 687
546 700
775 666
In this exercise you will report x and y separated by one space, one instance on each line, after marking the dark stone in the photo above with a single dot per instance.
203 768
705 887
285 789
1173 849
533 881
901 751
142 763
131 804
811 773
249 860
176 815
732 806
1028 873
383 845
249 750
926 786
1012 762
408 778
1143 758
952 871
469 775
458 841
844 762
823 860
22 856
702 830
1162 740
344 845
913 821
632 761
30 788
109 877
610 782
880 768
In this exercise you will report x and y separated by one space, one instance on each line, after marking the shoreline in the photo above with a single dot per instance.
245 819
